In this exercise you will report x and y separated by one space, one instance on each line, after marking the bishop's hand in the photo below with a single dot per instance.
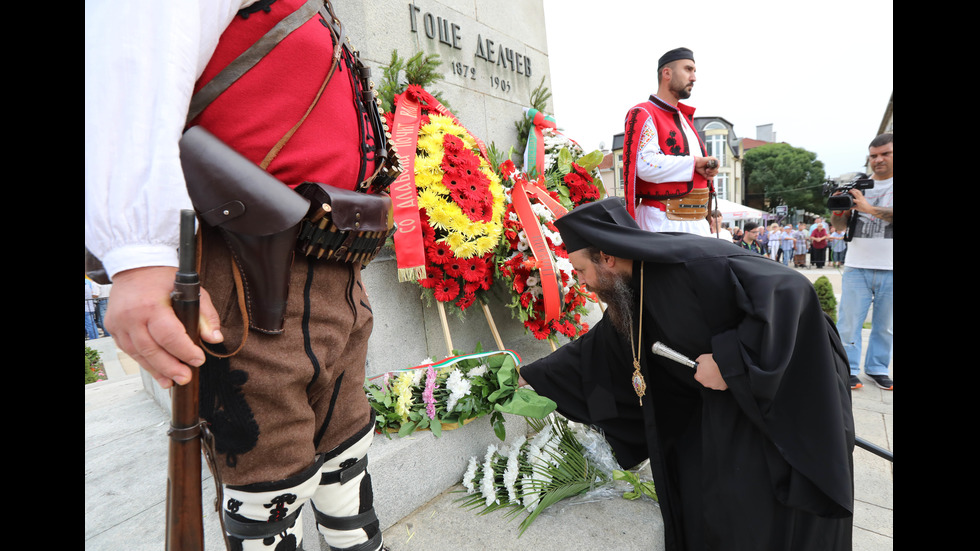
708 373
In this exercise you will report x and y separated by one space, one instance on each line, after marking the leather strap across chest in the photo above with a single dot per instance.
251 56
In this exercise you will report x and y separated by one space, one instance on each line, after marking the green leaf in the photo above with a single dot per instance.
564 161
590 160
497 421
406 429
639 487
527 403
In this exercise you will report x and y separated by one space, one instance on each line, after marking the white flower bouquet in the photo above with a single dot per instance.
561 461
444 395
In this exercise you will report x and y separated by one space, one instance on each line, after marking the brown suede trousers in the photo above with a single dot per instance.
304 387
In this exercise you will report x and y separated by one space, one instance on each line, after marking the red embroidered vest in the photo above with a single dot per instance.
673 141
258 109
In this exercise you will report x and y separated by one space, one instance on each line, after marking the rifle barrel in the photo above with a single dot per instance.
185 524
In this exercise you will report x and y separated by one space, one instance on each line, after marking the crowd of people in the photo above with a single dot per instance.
96 301
824 244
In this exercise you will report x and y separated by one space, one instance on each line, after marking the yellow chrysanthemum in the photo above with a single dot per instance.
440 216
427 167
466 249
429 199
465 237
402 390
486 243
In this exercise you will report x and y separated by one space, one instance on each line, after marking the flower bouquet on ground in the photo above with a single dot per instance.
444 395
561 461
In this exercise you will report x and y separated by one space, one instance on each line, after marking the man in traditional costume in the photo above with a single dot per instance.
751 447
666 170
289 416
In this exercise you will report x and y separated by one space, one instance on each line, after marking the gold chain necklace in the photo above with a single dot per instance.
639 384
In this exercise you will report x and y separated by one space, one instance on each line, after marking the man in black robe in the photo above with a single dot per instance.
751 449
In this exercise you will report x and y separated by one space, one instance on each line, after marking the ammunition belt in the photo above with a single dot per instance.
344 226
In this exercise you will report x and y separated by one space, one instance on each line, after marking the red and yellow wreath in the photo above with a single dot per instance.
461 205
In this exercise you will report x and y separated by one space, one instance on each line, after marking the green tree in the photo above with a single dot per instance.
786 175
825 292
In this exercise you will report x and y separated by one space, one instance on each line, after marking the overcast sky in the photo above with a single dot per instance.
819 72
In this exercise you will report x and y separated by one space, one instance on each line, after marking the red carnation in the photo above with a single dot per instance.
465 301
487 280
433 277
454 267
452 144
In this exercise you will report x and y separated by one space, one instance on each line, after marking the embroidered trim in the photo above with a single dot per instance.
224 407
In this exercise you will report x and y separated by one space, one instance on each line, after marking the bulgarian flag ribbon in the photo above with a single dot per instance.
535 140
550 284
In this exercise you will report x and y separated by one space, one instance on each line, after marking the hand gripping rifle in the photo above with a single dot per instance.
185 519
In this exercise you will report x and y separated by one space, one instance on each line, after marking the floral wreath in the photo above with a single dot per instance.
461 206
571 184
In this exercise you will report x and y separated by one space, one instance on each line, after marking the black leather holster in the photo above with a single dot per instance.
257 215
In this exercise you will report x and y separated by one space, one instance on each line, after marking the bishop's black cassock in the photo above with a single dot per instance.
764 465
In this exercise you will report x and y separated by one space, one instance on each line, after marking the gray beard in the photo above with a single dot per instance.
617 293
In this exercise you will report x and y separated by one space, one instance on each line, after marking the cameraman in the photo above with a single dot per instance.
867 274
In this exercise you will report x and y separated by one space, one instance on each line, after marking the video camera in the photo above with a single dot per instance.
844 201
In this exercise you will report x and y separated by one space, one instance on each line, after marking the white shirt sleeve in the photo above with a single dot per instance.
653 165
141 62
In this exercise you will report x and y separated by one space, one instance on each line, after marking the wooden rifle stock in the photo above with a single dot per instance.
185 519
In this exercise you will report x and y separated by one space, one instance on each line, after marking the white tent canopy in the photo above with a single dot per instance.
731 211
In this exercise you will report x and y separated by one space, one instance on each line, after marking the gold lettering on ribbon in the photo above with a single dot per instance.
409 248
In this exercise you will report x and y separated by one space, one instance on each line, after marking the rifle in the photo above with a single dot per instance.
185 519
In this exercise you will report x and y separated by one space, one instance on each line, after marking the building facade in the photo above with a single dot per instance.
721 142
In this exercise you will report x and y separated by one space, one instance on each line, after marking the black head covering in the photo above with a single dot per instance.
579 227
674 55
607 226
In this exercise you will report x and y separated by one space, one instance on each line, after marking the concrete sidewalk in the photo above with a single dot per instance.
126 471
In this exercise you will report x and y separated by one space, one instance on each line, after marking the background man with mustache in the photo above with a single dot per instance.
663 156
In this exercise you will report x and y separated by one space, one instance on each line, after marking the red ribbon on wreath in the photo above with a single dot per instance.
550 283
409 248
